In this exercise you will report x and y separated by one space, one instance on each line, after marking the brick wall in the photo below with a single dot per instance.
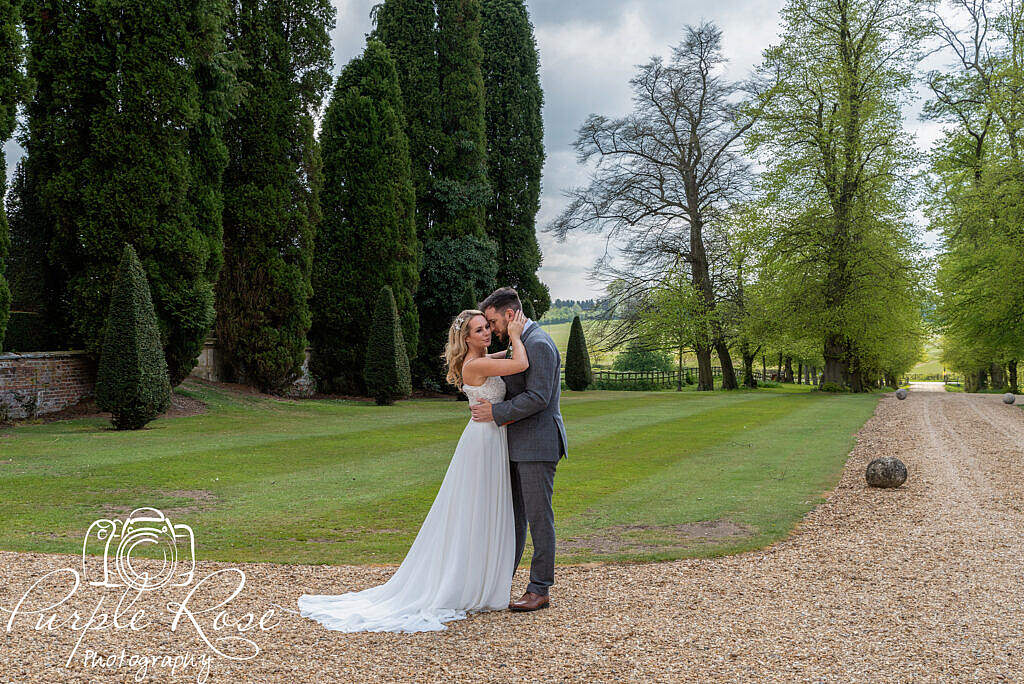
57 380
54 380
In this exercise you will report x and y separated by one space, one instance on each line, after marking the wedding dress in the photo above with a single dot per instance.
462 558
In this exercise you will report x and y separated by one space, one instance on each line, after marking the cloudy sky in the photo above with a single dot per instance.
589 49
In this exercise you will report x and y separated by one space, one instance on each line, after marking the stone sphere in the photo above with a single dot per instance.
1008 398
901 394
886 472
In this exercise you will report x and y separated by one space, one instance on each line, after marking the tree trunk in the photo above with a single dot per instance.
748 367
997 376
778 376
1012 367
982 380
789 369
857 383
814 375
679 367
764 367
800 373
836 368
705 379
728 372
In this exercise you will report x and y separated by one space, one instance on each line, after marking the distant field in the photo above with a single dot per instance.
560 334
930 363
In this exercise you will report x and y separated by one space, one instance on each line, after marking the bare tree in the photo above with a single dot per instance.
666 175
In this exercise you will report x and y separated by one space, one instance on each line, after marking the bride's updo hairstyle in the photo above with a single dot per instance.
455 350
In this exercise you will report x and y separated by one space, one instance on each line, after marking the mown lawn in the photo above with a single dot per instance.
261 479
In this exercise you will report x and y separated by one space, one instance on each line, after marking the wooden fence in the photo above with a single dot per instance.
663 378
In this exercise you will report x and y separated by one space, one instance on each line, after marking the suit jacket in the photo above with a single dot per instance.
531 408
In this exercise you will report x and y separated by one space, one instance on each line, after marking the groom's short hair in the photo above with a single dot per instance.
501 300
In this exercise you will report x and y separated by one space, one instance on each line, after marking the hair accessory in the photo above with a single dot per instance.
458 323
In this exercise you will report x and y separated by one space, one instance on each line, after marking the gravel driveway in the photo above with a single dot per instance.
922 583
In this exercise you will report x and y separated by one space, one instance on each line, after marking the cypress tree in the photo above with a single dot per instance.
53 114
457 265
460 180
469 300
126 129
408 29
515 144
386 372
528 309
459 188
368 236
271 187
578 375
13 87
131 380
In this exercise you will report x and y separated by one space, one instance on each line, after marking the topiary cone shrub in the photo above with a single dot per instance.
386 371
578 374
132 381
528 309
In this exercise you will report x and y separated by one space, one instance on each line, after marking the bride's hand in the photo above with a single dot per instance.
516 325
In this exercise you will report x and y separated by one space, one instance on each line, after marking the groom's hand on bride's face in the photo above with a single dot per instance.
482 412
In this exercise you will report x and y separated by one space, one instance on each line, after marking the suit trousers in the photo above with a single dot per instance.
532 485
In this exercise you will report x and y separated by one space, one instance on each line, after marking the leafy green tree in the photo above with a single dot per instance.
126 126
975 188
368 235
637 357
842 249
386 370
515 144
131 379
676 316
578 374
271 187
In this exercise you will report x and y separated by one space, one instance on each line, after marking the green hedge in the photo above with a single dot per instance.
28 332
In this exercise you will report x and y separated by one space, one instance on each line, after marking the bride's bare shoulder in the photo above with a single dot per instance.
468 376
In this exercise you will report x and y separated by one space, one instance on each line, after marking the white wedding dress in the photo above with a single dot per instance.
461 560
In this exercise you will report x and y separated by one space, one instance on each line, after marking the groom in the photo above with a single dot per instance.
536 441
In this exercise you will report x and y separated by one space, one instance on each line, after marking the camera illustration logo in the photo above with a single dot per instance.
143 529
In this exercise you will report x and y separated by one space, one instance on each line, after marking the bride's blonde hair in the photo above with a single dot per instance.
456 349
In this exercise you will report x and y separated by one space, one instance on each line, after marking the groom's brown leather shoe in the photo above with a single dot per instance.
528 602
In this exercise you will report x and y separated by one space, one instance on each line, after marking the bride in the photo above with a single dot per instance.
463 556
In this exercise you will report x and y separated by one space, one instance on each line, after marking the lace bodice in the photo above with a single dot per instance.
493 390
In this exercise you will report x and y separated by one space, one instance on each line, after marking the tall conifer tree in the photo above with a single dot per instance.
123 146
271 204
456 247
12 91
367 240
409 30
515 145
460 180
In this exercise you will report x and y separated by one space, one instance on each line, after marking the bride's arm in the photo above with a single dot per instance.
488 366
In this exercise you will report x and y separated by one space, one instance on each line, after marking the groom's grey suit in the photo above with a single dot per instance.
536 442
